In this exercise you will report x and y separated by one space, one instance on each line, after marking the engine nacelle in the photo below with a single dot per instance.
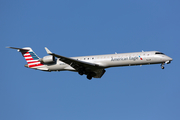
48 59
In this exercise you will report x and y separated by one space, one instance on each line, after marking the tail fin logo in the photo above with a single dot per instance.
32 59
34 56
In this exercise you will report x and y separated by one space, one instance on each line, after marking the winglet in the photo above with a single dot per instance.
48 51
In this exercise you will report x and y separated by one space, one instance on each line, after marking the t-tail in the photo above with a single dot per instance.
33 61
31 58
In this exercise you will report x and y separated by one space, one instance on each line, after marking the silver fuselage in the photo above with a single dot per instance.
115 60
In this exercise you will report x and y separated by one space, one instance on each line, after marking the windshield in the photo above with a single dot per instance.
160 53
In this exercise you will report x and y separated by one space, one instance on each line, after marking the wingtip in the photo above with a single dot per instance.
8 47
48 51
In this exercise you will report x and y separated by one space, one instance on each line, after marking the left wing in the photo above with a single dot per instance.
78 65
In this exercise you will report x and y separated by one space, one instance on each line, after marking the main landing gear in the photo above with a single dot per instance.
89 75
81 72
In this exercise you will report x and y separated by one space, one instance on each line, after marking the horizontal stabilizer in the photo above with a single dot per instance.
19 49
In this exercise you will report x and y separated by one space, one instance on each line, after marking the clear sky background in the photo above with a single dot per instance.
89 27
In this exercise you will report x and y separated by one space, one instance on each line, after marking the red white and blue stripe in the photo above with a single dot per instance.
32 59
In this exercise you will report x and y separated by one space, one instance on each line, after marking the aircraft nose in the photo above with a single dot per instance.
170 59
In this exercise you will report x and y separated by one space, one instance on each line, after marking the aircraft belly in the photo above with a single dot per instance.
56 67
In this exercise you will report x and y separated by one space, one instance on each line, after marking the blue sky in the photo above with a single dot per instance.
78 28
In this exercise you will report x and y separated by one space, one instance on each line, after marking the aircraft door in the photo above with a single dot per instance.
148 57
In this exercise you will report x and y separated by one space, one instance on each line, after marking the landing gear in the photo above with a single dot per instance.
89 77
84 72
162 66
81 72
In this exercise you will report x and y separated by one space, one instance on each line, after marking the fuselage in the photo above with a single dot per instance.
115 60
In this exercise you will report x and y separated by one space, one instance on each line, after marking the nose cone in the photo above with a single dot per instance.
170 59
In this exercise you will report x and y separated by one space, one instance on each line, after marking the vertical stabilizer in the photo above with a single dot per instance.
31 58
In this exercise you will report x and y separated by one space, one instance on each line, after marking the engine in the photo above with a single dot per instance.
48 59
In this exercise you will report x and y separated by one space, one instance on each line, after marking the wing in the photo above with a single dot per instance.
81 66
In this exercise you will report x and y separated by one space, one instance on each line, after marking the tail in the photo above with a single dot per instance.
30 56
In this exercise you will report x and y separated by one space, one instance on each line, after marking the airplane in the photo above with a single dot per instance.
92 66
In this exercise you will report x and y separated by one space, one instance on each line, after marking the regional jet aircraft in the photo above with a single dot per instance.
92 66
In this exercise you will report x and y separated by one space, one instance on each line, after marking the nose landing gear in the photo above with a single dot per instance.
162 66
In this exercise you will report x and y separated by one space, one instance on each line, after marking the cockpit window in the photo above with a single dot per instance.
159 53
